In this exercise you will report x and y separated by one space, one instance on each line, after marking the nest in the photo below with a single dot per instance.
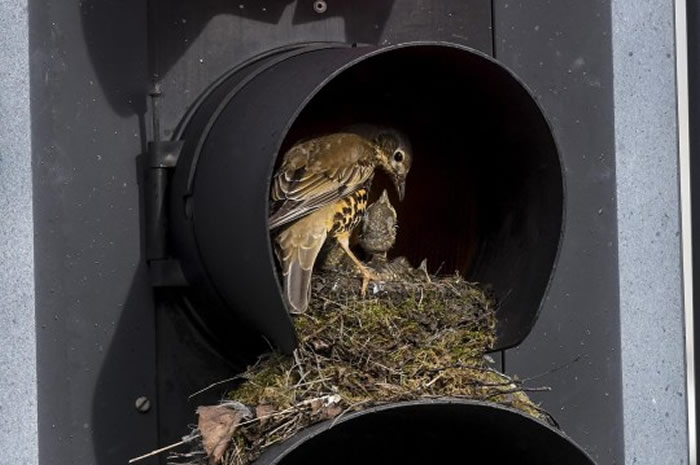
417 337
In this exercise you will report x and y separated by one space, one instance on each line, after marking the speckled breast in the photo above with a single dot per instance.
349 212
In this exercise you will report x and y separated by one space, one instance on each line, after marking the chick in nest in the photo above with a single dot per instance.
379 229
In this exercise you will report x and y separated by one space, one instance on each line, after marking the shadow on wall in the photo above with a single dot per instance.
115 33
118 429
162 352
119 33
169 373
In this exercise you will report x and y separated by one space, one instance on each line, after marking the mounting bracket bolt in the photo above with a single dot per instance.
143 404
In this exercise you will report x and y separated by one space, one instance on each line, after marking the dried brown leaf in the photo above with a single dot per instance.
217 425
329 412
316 405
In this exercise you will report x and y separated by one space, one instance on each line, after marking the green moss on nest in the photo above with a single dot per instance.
409 339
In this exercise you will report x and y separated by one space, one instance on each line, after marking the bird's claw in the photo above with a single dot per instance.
365 283
366 278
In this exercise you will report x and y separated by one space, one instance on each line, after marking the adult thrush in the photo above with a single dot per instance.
321 190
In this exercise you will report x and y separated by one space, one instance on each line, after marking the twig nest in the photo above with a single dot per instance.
414 336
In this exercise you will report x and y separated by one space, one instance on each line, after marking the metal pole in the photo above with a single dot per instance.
683 115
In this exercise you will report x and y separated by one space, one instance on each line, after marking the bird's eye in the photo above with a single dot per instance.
398 156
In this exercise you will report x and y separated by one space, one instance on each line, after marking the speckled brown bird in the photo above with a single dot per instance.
321 189
379 228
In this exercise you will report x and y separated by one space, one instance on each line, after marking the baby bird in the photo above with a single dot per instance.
379 228
320 190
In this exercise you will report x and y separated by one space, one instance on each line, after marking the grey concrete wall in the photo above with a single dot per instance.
18 404
652 330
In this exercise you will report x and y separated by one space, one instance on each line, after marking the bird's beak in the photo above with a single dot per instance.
400 187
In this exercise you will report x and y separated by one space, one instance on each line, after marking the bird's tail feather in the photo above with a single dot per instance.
298 256
298 287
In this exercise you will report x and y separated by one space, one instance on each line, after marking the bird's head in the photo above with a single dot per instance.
394 153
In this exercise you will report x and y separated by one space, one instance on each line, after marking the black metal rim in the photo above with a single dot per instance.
278 453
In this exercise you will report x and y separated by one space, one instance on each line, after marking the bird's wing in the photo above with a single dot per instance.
317 173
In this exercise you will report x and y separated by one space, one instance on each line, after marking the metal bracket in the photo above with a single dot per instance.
162 159
164 154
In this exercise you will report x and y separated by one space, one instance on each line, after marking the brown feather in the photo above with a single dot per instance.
317 173
297 248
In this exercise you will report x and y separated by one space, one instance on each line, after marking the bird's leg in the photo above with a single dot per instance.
344 241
